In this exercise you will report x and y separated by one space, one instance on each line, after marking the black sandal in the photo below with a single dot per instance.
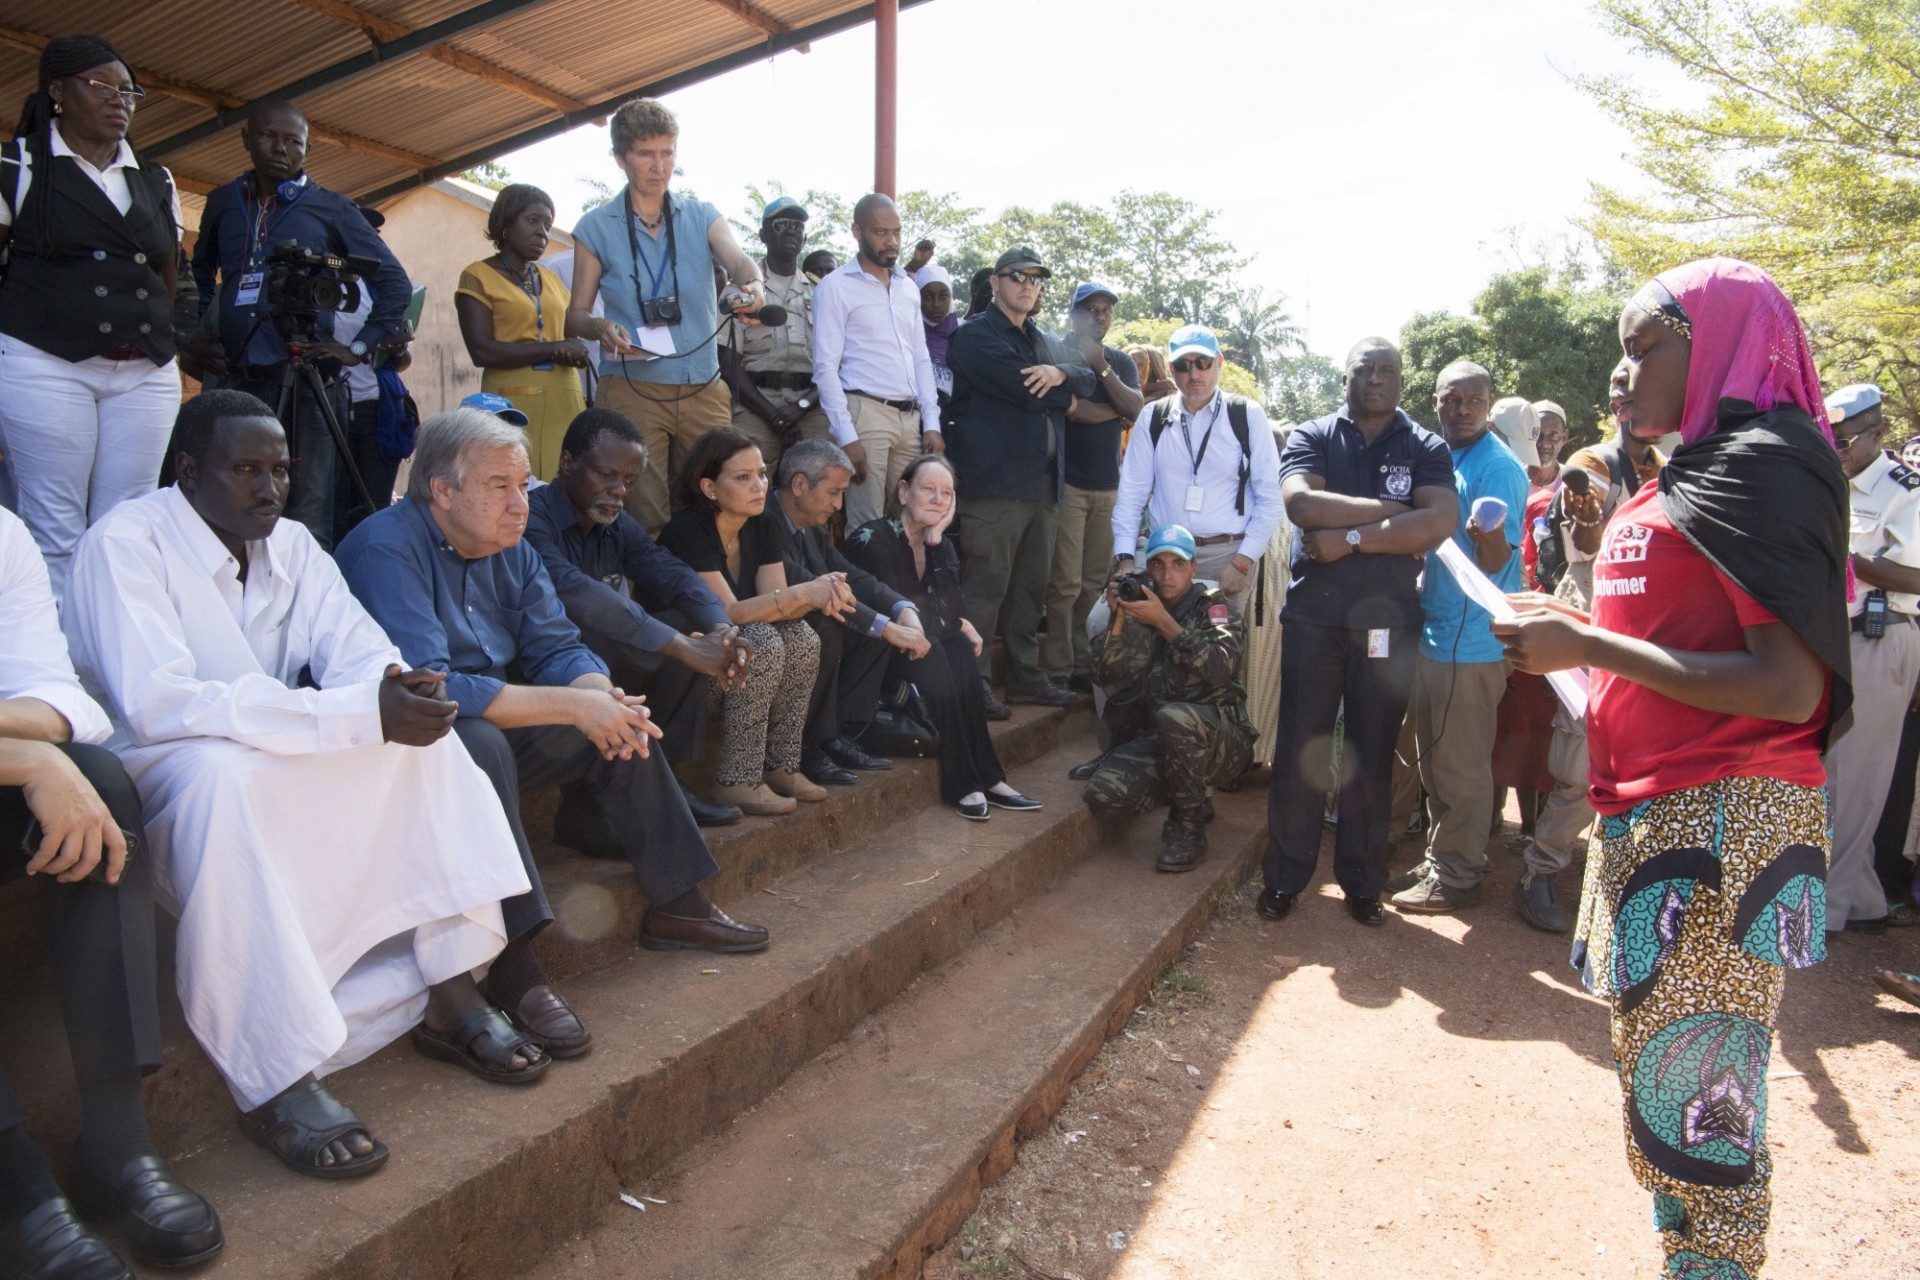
553 1023
310 1118
499 1042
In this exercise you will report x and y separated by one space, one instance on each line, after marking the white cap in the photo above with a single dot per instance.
1514 418
1848 401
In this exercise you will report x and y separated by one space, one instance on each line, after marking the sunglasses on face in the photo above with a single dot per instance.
1024 277
1188 365
782 225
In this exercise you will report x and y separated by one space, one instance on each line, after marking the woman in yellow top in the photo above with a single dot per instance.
513 316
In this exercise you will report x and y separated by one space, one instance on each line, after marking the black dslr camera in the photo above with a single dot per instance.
660 311
1132 587
301 283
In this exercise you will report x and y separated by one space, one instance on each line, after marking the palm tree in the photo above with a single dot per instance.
1256 330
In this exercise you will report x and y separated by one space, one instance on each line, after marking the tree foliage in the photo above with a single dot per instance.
1802 155
1541 335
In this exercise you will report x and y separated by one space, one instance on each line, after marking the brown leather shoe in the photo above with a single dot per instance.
718 932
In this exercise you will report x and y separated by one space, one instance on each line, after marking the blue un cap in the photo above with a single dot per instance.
499 406
784 207
1193 340
1174 538
1093 289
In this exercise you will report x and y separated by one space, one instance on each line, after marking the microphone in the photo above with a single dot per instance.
772 314
1488 513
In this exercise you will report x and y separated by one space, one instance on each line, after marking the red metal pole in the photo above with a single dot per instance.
886 83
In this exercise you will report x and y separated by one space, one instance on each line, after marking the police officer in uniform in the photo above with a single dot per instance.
1885 500
1176 712
770 367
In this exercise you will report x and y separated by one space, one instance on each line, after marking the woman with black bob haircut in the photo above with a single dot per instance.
910 553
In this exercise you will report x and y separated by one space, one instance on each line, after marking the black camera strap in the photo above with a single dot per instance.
672 263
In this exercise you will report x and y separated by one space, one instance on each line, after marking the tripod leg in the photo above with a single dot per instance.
340 442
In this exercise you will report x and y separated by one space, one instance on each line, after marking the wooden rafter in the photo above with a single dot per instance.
380 30
752 15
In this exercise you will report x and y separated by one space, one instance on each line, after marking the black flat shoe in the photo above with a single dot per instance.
711 815
1016 802
1367 910
976 812
164 1222
51 1243
824 771
1274 905
847 754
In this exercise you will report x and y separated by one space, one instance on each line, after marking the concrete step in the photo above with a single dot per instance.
597 909
486 1181
874 1154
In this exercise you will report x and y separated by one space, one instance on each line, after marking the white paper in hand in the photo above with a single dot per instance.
1571 685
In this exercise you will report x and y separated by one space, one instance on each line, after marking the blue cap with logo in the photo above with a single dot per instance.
1174 538
784 207
1852 401
1193 340
1093 289
499 406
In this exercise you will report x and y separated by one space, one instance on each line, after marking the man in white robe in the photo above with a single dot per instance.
328 877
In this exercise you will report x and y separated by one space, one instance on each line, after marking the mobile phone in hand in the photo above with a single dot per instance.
31 838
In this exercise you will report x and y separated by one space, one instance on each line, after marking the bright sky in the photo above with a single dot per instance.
1378 159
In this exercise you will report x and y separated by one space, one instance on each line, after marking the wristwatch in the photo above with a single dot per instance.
357 348
1353 539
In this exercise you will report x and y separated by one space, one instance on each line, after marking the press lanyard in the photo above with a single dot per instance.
633 242
260 216
1205 440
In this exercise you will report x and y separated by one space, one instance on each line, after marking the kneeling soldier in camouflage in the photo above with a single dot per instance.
1176 715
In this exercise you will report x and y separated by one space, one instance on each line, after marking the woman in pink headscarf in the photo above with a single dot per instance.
1718 644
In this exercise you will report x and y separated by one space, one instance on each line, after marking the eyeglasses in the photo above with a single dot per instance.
129 94
1188 365
1024 277
782 225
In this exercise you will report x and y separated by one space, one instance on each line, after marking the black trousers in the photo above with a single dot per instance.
955 700
640 798
846 689
316 457
675 693
102 939
1890 837
363 439
1320 668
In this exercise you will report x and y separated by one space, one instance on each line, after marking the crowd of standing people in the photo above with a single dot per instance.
814 505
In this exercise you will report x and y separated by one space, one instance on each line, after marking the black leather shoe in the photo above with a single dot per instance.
1016 802
1274 905
998 710
164 1222
1044 695
822 770
847 754
1087 768
1367 910
51 1243
711 815
976 812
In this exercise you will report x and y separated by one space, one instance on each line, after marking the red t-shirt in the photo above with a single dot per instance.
1649 582
1537 503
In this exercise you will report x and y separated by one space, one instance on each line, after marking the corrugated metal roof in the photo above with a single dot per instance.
501 73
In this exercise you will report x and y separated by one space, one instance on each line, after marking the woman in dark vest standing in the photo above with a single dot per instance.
88 385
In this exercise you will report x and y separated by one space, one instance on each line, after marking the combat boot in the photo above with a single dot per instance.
1186 843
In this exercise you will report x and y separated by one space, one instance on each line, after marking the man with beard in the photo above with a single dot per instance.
658 628
1371 491
770 366
870 362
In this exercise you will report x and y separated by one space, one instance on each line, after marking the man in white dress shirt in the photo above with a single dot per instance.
1189 463
334 887
870 362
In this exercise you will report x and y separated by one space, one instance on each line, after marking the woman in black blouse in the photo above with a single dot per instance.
910 553
724 531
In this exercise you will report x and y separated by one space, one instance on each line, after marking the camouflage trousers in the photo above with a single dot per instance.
1185 748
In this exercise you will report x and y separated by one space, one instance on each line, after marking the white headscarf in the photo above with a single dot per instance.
932 273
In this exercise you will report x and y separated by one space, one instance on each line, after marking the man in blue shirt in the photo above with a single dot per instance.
660 630
450 577
1461 674
243 222
1371 491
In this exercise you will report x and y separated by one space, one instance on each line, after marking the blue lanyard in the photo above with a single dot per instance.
668 262
260 217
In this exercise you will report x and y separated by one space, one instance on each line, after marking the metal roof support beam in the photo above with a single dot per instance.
480 15
886 92
378 29
752 15
793 39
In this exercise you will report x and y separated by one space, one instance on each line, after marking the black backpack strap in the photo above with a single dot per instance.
1162 415
1237 419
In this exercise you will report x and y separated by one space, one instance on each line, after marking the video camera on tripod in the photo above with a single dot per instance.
302 283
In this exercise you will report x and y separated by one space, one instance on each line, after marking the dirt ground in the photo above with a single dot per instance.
1432 1098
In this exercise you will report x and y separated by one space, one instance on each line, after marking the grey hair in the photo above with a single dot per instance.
446 441
813 458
